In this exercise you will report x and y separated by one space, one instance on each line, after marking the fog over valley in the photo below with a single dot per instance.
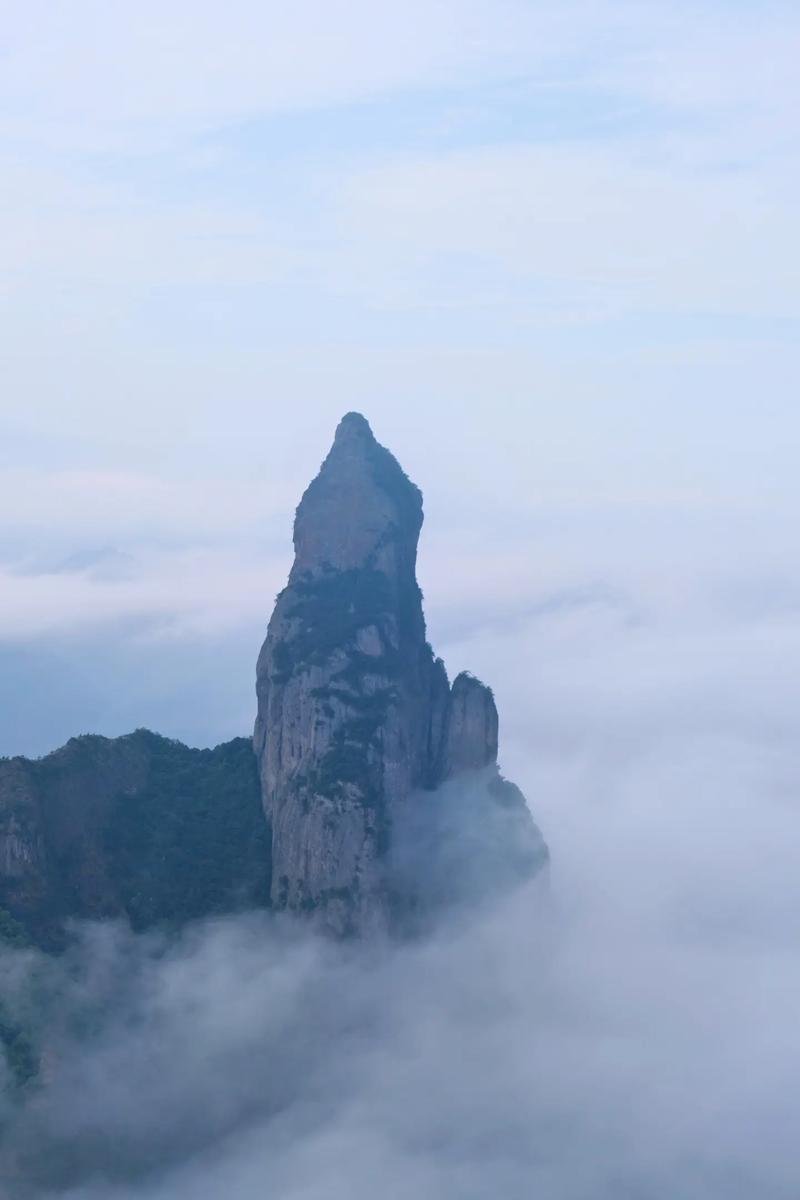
623 1026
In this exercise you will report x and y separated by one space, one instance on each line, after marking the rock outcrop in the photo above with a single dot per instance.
470 738
355 713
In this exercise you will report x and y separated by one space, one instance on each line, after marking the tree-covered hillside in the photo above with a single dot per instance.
137 827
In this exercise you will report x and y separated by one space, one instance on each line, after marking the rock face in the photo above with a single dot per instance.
470 740
355 714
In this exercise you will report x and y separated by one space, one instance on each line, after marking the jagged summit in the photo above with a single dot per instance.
360 510
356 719
353 424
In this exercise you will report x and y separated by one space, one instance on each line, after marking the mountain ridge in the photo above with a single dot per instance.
139 827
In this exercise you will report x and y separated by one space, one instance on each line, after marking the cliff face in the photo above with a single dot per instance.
355 714
137 827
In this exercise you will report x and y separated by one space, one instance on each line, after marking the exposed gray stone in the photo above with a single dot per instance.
471 737
355 715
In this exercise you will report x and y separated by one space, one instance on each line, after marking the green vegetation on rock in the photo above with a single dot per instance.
193 841
12 933
15 1041
329 612
139 827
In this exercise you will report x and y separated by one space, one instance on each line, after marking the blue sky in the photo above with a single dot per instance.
549 249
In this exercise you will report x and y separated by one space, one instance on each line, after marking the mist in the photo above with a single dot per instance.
627 1029
550 250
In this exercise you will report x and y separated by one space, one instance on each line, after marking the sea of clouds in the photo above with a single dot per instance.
573 316
627 1030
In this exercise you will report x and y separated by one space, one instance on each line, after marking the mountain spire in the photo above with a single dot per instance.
356 720
360 511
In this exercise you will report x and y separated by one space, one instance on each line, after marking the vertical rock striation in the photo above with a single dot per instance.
355 714
470 737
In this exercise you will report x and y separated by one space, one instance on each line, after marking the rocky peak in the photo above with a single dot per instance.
355 715
360 511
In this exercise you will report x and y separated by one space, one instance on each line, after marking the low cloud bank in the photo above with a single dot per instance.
628 1032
